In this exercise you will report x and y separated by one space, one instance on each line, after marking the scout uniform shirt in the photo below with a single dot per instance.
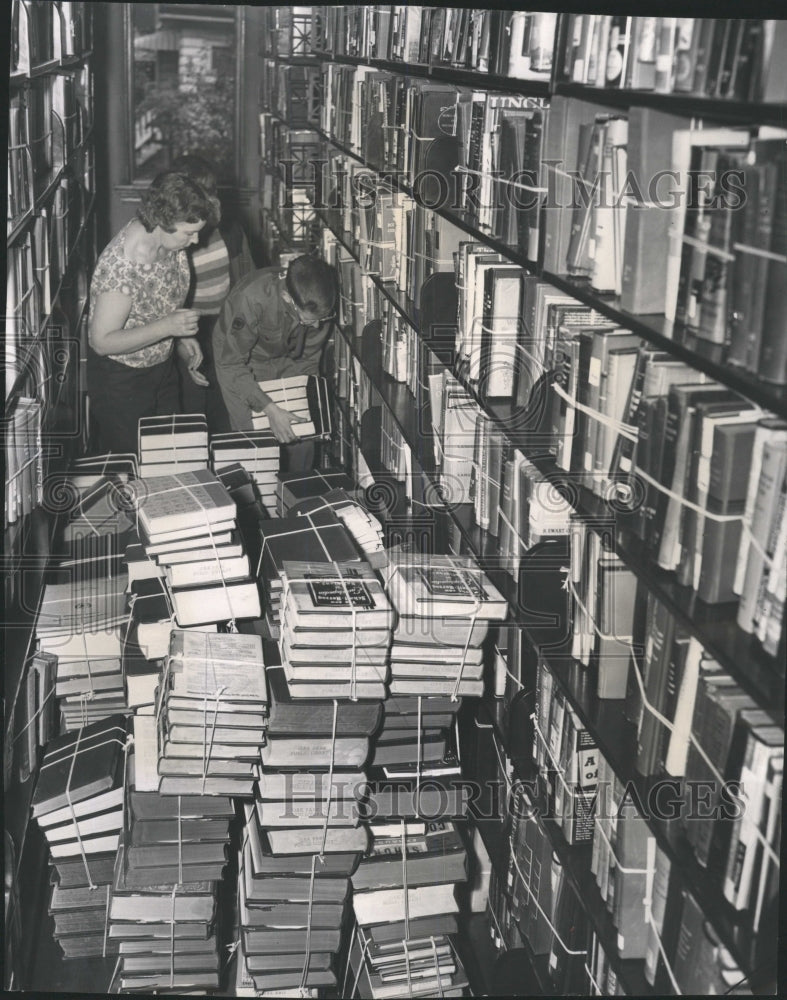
258 336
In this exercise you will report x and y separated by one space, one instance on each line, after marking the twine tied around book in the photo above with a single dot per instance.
625 430
106 920
307 950
460 169
471 625
677 498
418 752
207 745
180 842
532 895
649 917
334 728
57 760
313 528
404 882
436 966
361 959
172 937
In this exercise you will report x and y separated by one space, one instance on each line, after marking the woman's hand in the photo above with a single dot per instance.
281 422
188 348
181 323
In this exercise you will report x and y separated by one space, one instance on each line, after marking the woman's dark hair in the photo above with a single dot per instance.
173 198
312 284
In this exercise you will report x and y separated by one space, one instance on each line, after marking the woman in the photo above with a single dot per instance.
219 261
139 285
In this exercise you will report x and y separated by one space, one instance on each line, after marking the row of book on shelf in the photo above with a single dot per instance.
574 188
693 472
327 703
42 32
47 125
723 58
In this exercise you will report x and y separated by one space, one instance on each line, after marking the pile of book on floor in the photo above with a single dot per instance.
405 910
305 397
81 622
362 525
304 834
172 444
187 524
78 805
316 537
173 849
211 714
258 452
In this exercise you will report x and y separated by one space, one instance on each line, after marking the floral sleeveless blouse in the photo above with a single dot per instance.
154 289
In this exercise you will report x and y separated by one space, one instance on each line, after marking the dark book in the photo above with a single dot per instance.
773 350
716 708
436 856
649 151
81 765
719 541
312 717
660 659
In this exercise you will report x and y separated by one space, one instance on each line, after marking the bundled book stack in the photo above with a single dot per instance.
211 710
81 622
444 605
335 630
187 524
172 444
304 835
164 897
319 536
402 945
362 525
258 452
303 396
78 805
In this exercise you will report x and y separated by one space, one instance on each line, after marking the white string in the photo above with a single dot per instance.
307 955
330 777
538 906
625 430
505 180
616 863
721 518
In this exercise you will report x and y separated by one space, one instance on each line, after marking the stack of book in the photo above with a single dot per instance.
316 537
335 630
304 835
166 934
172 444
211 711
78 805
414 727
305 397
187 523
81 622
256 451
362 525
445 604
402 944
293 889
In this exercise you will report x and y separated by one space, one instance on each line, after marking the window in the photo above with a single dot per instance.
183 65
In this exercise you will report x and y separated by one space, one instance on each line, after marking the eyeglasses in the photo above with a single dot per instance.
303 318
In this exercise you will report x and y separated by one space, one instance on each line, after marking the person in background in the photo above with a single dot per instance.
218 262
274 324
137 293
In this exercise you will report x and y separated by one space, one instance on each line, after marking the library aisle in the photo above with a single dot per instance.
475 687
